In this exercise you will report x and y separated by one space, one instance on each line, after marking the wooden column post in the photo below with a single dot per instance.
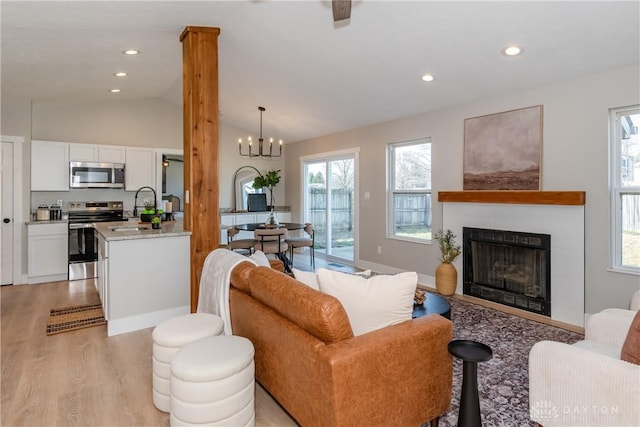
201 134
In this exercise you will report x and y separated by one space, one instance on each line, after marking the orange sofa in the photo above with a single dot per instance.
308 359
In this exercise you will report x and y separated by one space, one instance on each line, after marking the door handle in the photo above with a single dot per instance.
6 220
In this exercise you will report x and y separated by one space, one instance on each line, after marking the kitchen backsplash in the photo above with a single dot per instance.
83 195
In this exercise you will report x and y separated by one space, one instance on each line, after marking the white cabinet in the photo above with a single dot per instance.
111 154
140 168
146 281
49 166
83 152
47 252
103 271
97 153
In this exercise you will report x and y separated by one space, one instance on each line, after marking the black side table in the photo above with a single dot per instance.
471 352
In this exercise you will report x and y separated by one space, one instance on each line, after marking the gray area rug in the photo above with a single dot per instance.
503 381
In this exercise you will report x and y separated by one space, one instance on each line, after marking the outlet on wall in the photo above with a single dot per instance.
379 250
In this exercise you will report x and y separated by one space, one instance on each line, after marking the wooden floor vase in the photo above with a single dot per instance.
446 279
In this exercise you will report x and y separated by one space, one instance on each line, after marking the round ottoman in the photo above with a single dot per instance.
212 383
168 337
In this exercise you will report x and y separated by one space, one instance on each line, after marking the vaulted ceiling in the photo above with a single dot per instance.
314 76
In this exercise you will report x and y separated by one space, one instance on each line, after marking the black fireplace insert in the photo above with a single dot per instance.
508 267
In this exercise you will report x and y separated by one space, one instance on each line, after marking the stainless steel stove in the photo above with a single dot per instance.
83 243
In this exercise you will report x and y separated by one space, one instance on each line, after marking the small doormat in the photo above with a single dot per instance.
72 318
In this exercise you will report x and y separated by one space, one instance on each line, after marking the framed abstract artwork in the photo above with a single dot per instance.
503 151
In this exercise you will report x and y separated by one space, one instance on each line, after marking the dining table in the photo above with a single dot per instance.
291 226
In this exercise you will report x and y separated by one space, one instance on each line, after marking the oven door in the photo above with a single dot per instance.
83 251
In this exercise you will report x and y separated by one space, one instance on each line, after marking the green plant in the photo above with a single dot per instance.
448 248
269 180
155 220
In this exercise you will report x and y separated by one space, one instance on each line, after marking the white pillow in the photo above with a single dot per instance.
309 278
260 258
372 303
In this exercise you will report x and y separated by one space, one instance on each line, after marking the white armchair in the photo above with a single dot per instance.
586 384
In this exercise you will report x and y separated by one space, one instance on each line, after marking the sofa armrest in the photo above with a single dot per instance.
277 265
572 386
402 372
609 326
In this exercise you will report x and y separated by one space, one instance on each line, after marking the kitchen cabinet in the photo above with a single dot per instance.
143 276
97 153
47 252
140 168
49 166
103 271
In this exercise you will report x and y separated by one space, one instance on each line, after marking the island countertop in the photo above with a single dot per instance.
133 230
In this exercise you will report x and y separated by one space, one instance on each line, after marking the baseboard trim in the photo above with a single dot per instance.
143 321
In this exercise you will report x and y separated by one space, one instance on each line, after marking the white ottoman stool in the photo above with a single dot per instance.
212 383
168 337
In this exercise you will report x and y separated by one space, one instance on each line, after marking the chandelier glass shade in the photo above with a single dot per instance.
263 150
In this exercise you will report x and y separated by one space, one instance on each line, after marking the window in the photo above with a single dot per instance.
625 189
409 190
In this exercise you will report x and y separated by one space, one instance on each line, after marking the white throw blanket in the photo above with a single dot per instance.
214 284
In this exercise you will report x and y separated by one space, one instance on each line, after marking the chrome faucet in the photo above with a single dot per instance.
135 202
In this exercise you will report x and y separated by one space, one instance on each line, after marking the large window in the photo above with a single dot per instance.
409 190
625 189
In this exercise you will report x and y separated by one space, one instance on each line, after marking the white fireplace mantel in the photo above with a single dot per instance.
559 214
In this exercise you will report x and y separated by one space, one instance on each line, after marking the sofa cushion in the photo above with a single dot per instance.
371 303
260 258
318 314
631 347
309 278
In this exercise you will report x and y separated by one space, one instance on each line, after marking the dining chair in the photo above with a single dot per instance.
243 245
303 242
271 241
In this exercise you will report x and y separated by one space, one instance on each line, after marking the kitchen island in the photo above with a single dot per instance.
143 274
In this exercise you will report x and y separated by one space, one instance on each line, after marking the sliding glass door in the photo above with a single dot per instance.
330 204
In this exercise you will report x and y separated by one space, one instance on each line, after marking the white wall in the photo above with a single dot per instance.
575 157
143 123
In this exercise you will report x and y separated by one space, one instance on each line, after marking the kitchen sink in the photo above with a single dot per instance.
135 228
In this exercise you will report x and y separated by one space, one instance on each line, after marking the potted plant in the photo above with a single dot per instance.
155 222
269 180
446 273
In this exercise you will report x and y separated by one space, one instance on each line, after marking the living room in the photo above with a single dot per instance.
574 155
575 135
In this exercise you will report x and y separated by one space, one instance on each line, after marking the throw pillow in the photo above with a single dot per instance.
631 347
260 258
373 303
309 278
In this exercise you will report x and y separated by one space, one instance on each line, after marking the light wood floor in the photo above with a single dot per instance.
81 378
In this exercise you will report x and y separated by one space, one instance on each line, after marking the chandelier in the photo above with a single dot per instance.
262 149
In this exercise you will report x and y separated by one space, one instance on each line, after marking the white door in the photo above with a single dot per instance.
6 178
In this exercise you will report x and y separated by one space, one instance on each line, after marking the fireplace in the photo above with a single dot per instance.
508 267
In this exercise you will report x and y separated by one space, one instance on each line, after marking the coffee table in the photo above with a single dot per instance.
434 304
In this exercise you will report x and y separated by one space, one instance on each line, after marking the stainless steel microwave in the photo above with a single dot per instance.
96 175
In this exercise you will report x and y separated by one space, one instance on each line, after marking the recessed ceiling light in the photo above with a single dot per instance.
114 90
120 74
131 52
428 78
512 51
